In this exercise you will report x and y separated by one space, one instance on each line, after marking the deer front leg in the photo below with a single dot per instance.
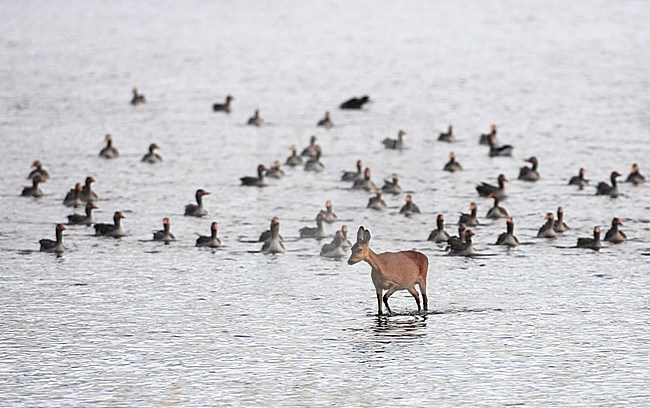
388 294
379 312
416 295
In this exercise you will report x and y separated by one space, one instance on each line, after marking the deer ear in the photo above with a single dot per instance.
366 236
360 234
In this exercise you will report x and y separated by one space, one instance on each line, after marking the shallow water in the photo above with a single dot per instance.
132 322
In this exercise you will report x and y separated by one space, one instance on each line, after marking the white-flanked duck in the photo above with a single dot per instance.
223 107
591 243
376 202
87 193
293 160
328 214
313 149
485 189
164 234
614 235
409 208
275 171
508 238
529 173
256 119
392 186
48 245
83 219
579 180
34 190
635 177
485 138
439 234
114 230
605 189
212 240
152 157
137 98
559 225
499 151
197 210
335 248
447 136
364 183
109 151
452 165
38 171
471 220
355 103
353 175
314 164
314 232
73 198
496 211
395 144
264 236
326 122
546 230
255 181
462 248
274 245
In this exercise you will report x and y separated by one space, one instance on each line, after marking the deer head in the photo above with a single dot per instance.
361 249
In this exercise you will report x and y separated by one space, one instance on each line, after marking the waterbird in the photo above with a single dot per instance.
635 177
275 171
48 245
335 248
605 189
223 107
109 151
83 219
547 230
212 240
137 98
87 193
164 234
496 211
447 136
439 234
485 189
114 230
314 232
579 180
452 165
376 202
529 173
151 156
462 248
293 160
508 238
471 220
34 190
314 164
73 197
395 144
499 150
326 122
38 171
197 210
255 120
328 214
484 139
312 149
392 186
274 245
355 103
614 235
255 181
409 208
364 183
353 175
591 243
559 225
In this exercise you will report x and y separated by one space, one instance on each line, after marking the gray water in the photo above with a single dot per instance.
131 322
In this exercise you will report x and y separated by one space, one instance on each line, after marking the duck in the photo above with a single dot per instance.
223 107
109 152
314 232
448 136
312 149
614 235
579 180
496 211
485 189
212 240
328 215
546 230
353 175
591 243
164 234
48 245
34 190
73 198
559 225
274 245
452 165
635 177
137 98
376 202
364 183
439 234
114 230
470 219
409 208
529 173
346 242
326 122
152 157
264 236
485 138
395 144
293 160
335 248
87 193
508 238
392 186
460 238
605 189
355 103
255 120
255 181
314 164
197 210
499 151
83 219
275 171
464 248
38 171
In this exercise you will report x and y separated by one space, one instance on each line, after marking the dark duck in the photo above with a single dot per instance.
197 210
499 150
48 245
508 238
579 180
392 186
447 136
256 119
313 149
376 202
274 245
38 171
461 235
152 157
314 232
529 173
353 175
73 198
164 234
559 225
496 211
314 164
469 219
591 243
326 122
614 235
109 152
452 165
635 177
485 189
439 234
610 190
409 208
87 193
137 98
34 190
211 241
223 107
462 248
264 236
395 144
364 183
355 103
547 230
114 230
485 138
293 160
255 181
83 219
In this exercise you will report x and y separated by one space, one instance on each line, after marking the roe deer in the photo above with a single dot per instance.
392 271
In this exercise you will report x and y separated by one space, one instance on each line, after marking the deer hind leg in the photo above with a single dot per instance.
425 299
416 295
379 312
388 294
